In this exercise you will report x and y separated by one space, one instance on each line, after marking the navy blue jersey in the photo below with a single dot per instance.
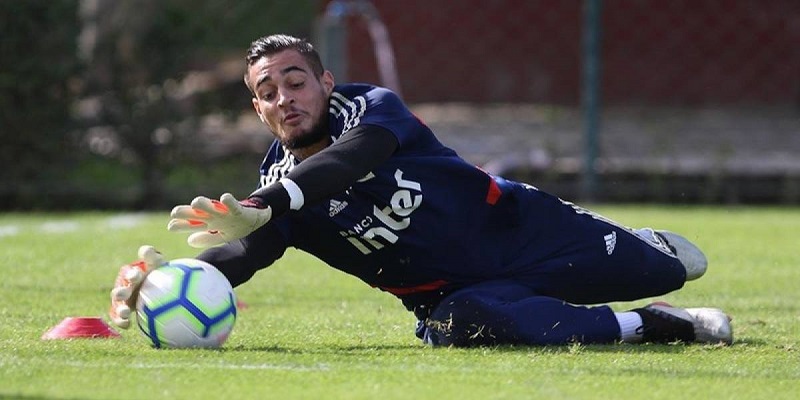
425 222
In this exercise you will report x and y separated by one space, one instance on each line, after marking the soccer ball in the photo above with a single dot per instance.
186 303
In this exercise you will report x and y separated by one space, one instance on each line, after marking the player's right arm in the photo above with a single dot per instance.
238 260
129 281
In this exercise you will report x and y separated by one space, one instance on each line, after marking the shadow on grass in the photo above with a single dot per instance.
358 349
671 348
317 348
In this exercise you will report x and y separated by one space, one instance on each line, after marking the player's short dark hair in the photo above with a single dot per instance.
273 44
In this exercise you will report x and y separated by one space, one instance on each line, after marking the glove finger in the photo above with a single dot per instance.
152 259
187 212
120 315
123 323
135 276
120 294
120 310
128 272
202 240
127 284
211 207
124 312
186 225
231 203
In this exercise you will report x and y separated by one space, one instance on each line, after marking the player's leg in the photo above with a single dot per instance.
574 254
593 259
506 312
605 263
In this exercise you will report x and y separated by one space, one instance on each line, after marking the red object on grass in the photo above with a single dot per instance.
80 327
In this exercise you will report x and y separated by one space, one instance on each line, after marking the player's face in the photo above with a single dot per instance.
290 99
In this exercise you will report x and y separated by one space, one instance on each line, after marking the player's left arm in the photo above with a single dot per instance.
240 259
332 170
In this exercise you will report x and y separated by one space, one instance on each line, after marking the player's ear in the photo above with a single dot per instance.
258 110
327 82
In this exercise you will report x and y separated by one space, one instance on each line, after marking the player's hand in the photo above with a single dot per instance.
215 222
129 280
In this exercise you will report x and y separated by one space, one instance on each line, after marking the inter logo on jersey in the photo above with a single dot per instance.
336 207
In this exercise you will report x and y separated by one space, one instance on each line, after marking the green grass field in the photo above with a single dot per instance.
311 332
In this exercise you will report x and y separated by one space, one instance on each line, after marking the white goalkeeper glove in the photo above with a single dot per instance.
215 222
129 280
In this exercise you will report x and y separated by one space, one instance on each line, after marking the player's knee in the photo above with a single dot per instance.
461 320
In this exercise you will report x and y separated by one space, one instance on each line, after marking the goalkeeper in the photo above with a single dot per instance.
355 179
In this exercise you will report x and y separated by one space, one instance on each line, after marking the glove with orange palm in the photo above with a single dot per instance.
214 222
129 280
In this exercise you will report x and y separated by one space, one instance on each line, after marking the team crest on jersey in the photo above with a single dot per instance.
336 207
611 242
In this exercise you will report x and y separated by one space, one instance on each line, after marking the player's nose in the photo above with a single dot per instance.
285 98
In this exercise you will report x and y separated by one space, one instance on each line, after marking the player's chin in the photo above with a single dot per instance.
299 137
292 141
295 132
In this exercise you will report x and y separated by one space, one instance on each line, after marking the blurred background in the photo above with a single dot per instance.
122 104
